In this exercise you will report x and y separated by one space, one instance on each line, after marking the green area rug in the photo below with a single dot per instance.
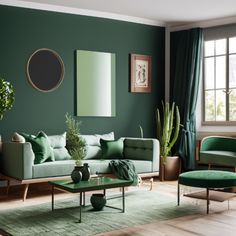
142 207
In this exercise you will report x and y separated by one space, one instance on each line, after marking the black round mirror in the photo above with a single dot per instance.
45 70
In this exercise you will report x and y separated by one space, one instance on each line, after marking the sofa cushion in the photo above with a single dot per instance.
102 166
94 150
98 166
51 169
18 138
218 157
61 154
137 149
58 143
91 140
112 149
109 136
41 147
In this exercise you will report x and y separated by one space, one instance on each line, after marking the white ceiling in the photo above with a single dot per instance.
163 12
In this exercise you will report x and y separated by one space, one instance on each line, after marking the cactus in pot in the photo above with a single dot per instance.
167 128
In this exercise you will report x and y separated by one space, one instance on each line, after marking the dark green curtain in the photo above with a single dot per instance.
185 73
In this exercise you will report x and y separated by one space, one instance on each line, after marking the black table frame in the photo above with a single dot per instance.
82 198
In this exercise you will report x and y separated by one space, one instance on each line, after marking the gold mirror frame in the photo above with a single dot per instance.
39 66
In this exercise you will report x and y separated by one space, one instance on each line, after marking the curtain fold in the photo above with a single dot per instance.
185 71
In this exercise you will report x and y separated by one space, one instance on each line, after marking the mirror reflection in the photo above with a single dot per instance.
95 83
45 70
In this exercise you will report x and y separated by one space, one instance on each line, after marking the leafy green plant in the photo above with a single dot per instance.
167 132
75 144
7 97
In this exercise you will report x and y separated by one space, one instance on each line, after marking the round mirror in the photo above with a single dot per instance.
45 70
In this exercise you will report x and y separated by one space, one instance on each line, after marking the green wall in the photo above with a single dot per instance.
25 30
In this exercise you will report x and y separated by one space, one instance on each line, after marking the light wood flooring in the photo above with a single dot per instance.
220 221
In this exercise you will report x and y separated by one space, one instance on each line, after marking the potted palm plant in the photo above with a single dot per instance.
167 133
7 99
76 146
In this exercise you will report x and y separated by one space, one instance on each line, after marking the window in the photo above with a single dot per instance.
219 89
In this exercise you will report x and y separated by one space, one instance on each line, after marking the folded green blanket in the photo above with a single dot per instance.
124 169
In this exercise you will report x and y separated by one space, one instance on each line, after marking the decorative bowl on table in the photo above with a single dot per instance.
98 201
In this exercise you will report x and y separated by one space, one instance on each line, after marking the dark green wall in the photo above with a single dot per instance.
24 30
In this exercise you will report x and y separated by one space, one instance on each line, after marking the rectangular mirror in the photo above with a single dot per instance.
95 83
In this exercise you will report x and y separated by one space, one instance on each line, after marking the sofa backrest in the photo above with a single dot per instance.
94 150
219 143
138 149
58 144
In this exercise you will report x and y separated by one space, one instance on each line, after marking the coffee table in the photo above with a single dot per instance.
93 184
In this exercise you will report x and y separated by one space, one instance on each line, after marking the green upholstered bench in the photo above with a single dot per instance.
208 179
218 150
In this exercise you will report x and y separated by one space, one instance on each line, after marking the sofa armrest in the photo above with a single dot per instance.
17 160
146 149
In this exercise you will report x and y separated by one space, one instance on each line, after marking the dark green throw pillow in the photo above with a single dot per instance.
112 149
41 147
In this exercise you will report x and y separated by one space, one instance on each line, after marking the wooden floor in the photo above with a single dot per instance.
220 221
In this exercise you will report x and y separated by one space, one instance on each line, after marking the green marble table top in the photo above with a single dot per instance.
97 183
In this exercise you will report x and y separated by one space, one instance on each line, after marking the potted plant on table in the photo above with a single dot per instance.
7 98
76 146
167 133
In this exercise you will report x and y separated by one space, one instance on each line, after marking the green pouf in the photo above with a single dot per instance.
206 179
98 201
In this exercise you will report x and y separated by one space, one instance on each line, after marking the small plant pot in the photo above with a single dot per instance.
76 174
98 201
85 172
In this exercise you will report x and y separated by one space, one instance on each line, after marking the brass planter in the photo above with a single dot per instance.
171 169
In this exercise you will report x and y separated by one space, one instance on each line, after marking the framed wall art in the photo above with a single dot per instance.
140 73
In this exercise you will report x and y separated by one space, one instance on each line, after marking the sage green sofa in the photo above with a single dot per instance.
17 160
218 150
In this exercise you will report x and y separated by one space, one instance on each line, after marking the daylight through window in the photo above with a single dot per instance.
220 80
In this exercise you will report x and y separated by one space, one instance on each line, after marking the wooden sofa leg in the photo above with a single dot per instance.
151 184
209 166
25 191
235 169
8 186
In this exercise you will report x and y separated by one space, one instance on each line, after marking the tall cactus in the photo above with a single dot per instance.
167 133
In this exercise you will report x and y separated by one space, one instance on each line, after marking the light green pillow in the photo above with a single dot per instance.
41 147
112 149
58 143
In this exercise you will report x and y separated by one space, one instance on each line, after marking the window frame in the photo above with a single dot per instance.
227 54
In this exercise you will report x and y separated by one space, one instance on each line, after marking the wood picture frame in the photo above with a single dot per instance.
140 73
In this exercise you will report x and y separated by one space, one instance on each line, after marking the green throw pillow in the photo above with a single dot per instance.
112 149
41 147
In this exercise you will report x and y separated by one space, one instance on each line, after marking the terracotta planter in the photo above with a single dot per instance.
171 169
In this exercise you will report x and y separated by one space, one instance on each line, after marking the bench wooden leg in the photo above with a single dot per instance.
25 192
209 166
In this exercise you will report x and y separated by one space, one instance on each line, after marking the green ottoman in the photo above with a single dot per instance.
206 179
